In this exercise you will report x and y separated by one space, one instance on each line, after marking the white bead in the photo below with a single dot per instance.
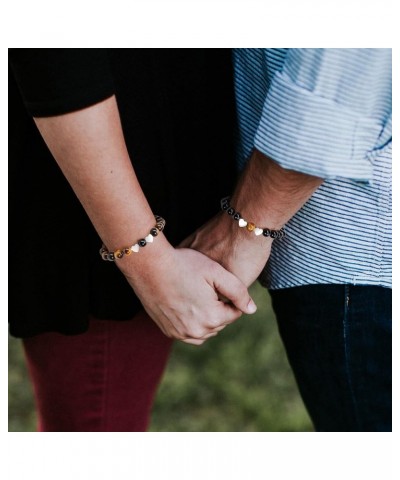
135 248
149 238
242 223
258 231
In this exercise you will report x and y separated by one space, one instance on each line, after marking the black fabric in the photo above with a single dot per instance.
56 81
177 113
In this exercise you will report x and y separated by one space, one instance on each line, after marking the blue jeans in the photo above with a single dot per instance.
338 340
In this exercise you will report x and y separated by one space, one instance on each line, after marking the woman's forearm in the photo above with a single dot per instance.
176 287
89 147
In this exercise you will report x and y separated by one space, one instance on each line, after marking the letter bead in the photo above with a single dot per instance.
250 226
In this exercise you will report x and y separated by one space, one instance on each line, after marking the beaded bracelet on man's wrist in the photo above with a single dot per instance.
120 252
250 226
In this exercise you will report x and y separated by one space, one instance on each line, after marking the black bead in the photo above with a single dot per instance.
111 257
274 233
142 242
236 216
225 206
154 232
266 232
230 211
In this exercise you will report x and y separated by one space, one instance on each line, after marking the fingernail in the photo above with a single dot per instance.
251 306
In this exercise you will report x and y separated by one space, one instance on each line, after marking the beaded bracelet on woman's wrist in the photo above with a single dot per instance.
120 252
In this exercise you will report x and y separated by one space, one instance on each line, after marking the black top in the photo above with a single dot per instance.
177 113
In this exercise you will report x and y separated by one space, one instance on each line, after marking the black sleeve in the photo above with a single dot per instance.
53 81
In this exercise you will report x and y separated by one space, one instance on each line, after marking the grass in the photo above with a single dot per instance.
237 381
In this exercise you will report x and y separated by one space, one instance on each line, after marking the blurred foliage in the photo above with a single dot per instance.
237 381
21 413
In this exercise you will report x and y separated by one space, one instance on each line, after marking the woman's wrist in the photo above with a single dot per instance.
126 250
147 260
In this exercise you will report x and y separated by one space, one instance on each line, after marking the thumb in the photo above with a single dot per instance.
234 290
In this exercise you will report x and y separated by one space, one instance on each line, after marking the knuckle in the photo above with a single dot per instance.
215 269
179 335
214 323
200 333
194 333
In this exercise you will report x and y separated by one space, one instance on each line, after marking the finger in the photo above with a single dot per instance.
213 333
221 327
234 290
193 341
199 341
227 314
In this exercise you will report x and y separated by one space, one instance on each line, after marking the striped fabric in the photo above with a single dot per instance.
326 112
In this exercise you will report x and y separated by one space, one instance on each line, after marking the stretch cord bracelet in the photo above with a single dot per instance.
111 256
251 227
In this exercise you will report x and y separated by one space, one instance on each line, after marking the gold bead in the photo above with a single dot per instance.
127 251
250 227
119 253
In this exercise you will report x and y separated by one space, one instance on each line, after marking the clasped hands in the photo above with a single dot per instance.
201 287
198 289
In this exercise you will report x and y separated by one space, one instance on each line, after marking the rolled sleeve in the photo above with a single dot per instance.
304 130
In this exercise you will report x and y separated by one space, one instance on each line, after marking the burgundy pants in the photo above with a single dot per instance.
103 380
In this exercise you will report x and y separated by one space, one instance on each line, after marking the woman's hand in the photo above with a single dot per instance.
179 290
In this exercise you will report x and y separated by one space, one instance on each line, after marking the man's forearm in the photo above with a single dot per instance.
266 195
270 195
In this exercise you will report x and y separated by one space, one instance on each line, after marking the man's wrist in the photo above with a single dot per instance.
248 225
270 195
239 237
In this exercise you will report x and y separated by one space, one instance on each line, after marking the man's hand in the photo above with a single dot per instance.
267 195
236 249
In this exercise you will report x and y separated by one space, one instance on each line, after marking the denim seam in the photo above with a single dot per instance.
347 352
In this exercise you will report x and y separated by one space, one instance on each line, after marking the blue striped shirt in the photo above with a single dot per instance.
328 113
